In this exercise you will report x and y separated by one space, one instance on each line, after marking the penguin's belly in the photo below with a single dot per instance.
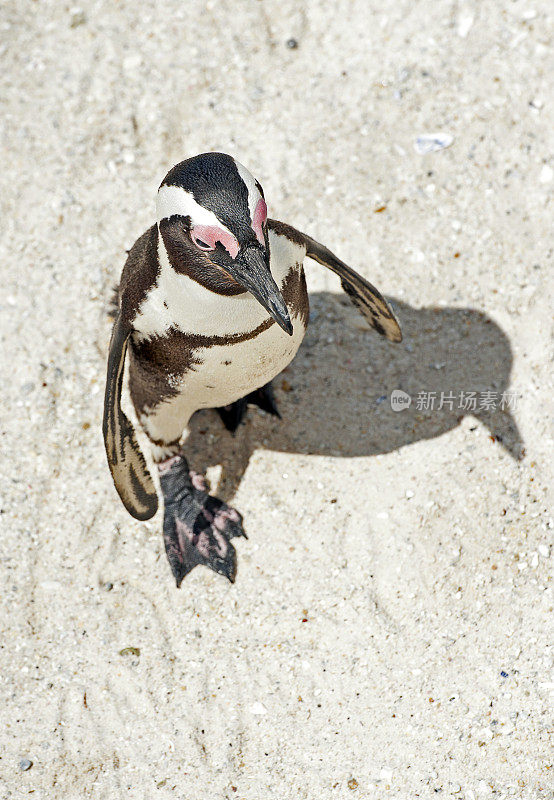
228 372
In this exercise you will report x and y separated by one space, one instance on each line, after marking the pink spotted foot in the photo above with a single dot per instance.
198 528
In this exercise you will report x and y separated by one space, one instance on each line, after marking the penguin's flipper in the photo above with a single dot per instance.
125 458
365 297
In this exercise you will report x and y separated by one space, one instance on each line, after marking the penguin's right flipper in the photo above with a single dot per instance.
125 458
365 297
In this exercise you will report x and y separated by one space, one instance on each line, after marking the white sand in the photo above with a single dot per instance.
417 549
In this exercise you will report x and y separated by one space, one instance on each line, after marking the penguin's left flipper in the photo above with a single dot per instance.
198 528
125 458
365 297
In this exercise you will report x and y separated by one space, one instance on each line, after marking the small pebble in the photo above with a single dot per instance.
258 709
432 142
292 44
131 63
503 673
546 174
409 494
544 550
25 764
465 23
77 17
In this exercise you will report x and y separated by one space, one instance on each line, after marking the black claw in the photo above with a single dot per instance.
197 528
233 414
264 398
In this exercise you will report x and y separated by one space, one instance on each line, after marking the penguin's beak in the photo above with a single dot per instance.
251 270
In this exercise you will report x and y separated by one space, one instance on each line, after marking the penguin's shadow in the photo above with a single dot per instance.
335 396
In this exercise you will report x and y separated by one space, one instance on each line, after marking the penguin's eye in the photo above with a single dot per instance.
207 237
202 245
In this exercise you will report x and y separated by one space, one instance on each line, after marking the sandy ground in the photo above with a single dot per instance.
388 632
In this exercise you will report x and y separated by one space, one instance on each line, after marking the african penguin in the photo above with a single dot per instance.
212 305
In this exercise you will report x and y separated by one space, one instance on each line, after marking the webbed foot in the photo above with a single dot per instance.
233 414
197 527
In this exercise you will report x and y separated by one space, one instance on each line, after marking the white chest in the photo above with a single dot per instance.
228 372
176 301
236 362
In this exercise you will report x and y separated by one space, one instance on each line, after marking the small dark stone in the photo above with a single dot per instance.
292 44
107 586
25 764
504 674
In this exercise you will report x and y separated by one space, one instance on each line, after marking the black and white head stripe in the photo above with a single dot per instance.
211 189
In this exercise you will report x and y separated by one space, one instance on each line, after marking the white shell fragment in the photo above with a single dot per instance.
431 142
258 708
465 23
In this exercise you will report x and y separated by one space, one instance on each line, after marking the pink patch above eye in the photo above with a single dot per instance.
210 235
260 216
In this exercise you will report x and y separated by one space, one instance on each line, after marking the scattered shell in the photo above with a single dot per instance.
258 708
77 17
432 142
50 586
546 174
131 63
130 651
465 24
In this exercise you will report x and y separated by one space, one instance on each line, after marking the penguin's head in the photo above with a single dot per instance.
212 219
